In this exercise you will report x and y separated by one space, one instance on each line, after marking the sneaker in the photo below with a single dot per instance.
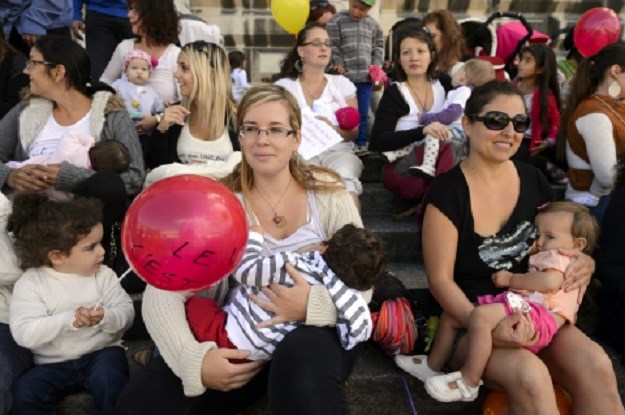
360 149
417 366
586 199
425 172
438 388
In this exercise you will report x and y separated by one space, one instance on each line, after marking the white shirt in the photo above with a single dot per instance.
50 135
239 83
161 77
192 150
44 304
411 120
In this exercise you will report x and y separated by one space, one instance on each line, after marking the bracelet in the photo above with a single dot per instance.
158 117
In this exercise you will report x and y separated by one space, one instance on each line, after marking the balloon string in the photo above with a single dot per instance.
124 275
414 410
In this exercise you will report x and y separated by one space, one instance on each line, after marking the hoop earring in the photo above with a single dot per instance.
614 90
299 66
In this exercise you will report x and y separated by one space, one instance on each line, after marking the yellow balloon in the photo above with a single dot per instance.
291 15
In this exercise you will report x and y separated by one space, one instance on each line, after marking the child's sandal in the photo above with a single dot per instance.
419 370
438 388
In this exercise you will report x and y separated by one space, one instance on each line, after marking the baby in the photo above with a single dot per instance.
474 72
537 293
141 99
347 264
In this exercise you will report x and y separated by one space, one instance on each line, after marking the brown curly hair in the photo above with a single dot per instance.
158 19
41 225
356 256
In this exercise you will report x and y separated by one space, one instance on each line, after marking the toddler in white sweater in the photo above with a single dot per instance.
67 308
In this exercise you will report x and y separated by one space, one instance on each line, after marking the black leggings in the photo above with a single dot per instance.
305 377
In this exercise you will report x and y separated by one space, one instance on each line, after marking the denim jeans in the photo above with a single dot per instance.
14 360
363 94
102 373
599 210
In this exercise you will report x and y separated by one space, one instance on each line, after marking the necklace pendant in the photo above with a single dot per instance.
280 221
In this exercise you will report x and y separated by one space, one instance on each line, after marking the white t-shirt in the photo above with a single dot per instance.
161 77
192 150
239 83
50 135
338 89
411 120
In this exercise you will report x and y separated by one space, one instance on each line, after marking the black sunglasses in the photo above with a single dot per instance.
314 5
497 121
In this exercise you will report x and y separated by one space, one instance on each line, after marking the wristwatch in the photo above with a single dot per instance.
158 117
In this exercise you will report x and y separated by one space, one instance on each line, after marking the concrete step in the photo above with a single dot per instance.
401 240
376 200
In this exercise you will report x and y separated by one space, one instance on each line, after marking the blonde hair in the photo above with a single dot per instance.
584 224
308 176
212 86
478 72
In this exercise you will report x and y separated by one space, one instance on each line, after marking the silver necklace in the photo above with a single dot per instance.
423 107
279 220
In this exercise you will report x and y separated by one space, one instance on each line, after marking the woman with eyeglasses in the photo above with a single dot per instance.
195 132
12 77
155 26
397 128
298 206
60 101
592 133
302 73
478 220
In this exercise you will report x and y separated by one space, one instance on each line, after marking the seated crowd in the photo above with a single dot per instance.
507 265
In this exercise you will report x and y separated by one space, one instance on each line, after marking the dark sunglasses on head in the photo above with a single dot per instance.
497 121
314 5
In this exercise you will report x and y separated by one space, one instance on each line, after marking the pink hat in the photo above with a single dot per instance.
348 118
139 54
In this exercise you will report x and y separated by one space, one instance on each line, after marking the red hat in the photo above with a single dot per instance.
498 64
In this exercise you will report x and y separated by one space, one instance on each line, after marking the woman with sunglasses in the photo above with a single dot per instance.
397 127
155 26
61 100
195 132
302 73
298 206
478 220
592 135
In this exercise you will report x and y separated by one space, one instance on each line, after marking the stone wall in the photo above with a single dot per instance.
249 26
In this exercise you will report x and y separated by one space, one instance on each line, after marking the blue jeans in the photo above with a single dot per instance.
102 373
103 33
363 94
14 360
599 210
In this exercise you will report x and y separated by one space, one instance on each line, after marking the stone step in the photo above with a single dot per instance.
411 274
401 240
376 200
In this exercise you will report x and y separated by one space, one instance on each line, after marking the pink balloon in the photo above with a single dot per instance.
184 233
596 28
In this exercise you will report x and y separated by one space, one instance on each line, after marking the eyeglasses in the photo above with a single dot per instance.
318 44
250 132
497 121
314 5
30 63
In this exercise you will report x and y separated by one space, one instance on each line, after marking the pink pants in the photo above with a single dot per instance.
544 323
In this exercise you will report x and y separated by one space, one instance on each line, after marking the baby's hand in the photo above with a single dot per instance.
96 314
501 278
81 317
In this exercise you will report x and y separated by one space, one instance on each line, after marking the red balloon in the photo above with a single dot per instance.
496 403
595 29
184 233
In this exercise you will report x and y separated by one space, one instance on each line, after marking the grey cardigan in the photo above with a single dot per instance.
108 121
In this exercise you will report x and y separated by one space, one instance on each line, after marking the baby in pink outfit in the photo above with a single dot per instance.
537 294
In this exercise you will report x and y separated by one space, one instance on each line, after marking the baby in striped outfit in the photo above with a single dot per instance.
348 263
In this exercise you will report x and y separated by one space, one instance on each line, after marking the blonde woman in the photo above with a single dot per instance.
297 205
196 131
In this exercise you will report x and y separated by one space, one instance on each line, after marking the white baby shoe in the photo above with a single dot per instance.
438 388
419 370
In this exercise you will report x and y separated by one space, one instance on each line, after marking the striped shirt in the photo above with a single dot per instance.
255 271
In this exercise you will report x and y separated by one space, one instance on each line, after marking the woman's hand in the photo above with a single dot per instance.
578 273
540 147
438 130
146 124
288 304
516 330
219 374
28 177
52 173
176 114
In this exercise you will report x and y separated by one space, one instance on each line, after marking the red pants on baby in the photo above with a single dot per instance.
208 321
